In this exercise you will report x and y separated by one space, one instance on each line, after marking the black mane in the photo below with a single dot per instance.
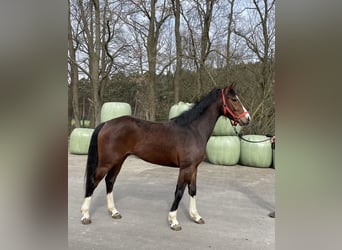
197 110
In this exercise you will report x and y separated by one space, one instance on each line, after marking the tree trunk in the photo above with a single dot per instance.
177 78
96 68
152 40
94 72
94 48
205 41
73 73
228 46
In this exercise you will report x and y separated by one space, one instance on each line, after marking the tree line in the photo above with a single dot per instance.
155 53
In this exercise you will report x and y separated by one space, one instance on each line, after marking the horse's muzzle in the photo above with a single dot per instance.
245 120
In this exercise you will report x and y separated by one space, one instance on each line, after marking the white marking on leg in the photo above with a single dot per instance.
193 210
85 209
172 218
111 206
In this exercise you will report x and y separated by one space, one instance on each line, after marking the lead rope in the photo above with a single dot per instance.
246 140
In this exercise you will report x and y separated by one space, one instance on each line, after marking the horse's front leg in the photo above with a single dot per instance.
85 211
172 217
192 207
193 211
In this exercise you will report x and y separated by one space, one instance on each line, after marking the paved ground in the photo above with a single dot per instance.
233 200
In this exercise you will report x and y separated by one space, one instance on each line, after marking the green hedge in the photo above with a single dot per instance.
111 110
79 140
256 154
223 150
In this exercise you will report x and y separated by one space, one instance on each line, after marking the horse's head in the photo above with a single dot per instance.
233 108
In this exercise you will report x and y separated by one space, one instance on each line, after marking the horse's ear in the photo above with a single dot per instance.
231 86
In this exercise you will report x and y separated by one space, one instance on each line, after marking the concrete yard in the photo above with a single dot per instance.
234 201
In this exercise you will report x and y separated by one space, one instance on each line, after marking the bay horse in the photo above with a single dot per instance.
180 142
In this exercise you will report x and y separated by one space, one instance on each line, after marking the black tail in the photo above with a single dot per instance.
92 162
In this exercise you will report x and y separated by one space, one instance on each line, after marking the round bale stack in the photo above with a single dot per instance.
111 110
223 147
224 127
80 140
223 150
256 154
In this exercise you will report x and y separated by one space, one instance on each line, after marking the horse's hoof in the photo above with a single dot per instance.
272 214
200 221
116 216
176 227
86 221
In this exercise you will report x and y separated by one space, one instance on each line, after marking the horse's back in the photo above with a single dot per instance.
156 142
136 133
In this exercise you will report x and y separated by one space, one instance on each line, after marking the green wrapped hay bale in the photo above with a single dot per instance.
224 127
79 140
256 154
223 150
111 110
179 108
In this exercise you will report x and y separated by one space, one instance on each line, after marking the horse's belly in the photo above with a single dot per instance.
158 154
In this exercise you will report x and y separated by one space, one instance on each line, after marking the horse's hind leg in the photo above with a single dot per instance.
91 184
110 180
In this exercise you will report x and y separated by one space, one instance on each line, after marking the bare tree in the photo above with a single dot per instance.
155 14
176 82
90 17
98 22
199 47
154 30
152 42
206 18
229 38
205 41
259 38
73 71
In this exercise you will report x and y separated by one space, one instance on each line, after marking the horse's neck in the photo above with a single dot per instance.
206 122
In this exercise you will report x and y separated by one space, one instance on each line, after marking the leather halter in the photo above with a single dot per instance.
227 110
